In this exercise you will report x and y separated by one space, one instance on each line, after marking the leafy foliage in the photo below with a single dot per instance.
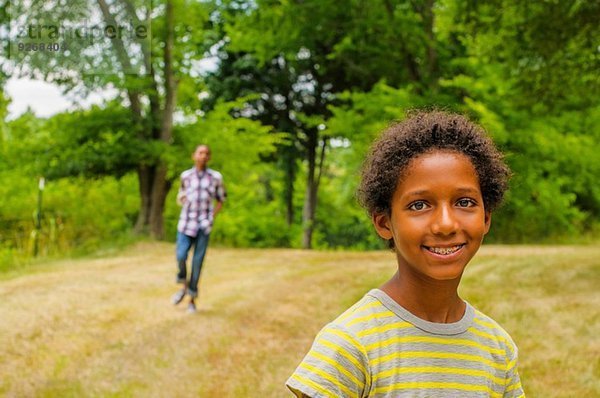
274 87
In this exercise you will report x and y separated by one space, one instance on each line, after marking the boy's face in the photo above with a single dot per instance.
437 216
201 156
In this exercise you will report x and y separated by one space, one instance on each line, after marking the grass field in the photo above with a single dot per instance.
104 327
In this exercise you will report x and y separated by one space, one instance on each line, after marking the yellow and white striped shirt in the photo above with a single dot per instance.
379 349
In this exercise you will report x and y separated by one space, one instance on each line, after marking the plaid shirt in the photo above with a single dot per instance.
201 189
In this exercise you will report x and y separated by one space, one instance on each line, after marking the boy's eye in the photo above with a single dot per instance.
418 205
465 203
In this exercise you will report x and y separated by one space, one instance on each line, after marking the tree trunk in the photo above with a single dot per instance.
310 199
312 187
153 183
410 62
428 15
145 189
153 188
160 189
288 193
160 184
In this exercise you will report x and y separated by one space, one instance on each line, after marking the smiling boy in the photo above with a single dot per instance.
430 185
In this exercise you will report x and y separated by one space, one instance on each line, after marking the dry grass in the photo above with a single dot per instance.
105 327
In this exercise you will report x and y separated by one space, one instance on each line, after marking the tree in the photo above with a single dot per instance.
537 97
144 69
321 50
239 75
547 49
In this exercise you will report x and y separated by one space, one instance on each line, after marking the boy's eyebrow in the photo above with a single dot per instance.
417 193
461 190
468 190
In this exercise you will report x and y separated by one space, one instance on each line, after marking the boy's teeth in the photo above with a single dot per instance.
444 250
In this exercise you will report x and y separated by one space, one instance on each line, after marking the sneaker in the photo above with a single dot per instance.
177 297
191 308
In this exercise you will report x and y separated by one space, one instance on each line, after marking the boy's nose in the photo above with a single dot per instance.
444 222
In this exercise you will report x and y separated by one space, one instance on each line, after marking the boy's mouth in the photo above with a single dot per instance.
444 251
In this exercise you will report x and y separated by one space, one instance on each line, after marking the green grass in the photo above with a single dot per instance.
104 327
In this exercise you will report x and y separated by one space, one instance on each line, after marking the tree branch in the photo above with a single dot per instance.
409 60
169 75
146 51
321 161
132 94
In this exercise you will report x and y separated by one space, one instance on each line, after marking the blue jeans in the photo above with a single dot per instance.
184 244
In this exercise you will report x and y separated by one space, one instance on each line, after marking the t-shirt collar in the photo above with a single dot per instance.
454 328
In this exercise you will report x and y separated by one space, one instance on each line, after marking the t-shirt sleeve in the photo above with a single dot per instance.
221 193
336 366
513 384
181 192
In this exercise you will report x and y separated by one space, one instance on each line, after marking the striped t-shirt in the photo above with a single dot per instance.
379 349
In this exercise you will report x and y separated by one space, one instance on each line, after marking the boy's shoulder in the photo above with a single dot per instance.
486 327
214 173
353 332
488 323
187 173
362 309
369 316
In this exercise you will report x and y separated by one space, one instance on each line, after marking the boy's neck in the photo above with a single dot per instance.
433 301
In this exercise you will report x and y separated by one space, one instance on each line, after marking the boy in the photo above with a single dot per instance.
430 185
200 187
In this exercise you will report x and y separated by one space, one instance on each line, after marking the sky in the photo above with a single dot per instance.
46 99
43 98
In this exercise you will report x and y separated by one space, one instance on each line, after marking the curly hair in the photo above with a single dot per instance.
423 132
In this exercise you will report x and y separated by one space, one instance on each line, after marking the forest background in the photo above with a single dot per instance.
289 95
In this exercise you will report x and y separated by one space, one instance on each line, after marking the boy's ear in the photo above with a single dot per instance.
382 226
488 221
